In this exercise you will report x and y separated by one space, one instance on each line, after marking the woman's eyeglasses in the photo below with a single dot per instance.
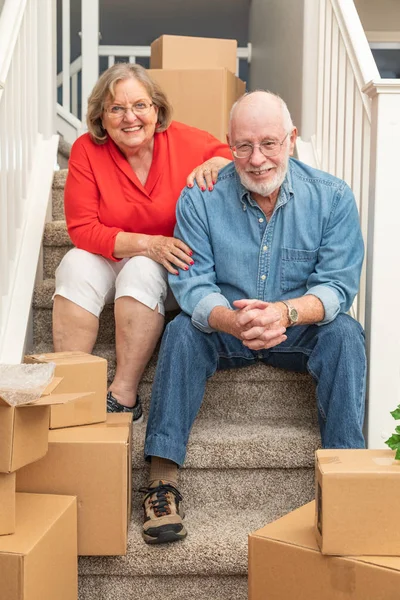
140 108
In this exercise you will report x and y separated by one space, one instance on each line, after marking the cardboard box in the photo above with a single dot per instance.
285 562
201 98
7 503
39 561
357 493
93 463
24 429
184 52
115 420
80 372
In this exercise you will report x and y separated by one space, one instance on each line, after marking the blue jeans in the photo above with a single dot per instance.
334 354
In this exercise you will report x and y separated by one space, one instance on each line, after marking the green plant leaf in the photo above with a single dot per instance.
397 457
398 429
394 442
396 413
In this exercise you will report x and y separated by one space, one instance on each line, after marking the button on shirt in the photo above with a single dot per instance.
312 244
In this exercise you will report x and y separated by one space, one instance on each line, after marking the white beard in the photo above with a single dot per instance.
264 188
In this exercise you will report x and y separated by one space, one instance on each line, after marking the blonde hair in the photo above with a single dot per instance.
105 88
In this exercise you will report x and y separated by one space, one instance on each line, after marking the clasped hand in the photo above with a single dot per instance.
258 324
169 251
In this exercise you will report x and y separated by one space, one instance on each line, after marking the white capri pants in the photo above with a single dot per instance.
91 281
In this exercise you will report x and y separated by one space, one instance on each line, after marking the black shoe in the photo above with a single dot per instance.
113 406
163 514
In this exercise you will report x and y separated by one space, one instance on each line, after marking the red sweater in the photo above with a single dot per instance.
103 196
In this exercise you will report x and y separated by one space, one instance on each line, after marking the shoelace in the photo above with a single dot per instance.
160 504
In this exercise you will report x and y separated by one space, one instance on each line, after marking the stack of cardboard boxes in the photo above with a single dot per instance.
198 77
345 545
65 480
34 528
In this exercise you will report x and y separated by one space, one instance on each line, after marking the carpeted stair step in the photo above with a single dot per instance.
58 194
226 445
216 545
182 587
280 488
56 244
256 394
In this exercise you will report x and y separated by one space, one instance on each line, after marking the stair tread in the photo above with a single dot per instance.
216 545
59 178
56 234
224 445
254 373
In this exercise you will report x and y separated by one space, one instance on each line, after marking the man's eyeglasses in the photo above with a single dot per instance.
140 108
267 148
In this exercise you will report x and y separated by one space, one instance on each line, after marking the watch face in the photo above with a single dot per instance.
293 315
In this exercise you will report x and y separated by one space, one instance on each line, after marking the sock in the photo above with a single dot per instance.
162 469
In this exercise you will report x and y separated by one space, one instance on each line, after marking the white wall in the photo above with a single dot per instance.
276 35
379 15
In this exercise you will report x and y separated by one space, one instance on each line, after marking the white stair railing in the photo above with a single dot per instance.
343 127
356 138
28 151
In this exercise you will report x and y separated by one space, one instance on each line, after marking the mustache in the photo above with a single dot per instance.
263 170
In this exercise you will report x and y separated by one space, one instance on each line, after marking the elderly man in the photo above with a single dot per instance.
277 260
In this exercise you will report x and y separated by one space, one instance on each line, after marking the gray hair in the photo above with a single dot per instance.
287 119
105 88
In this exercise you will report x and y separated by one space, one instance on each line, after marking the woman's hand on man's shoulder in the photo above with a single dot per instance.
206 174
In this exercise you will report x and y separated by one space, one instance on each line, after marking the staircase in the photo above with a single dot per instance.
250 460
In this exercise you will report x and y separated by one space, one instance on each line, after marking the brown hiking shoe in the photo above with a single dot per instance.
163 514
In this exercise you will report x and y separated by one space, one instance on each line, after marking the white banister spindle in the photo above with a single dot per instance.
327 89
47 68
132 59
74 94
90 50
334 97
66 52
4 166
341 110
30 84
24 114
18 127
348 126
320 82
111 60
12 173
310 69
358 148
363 210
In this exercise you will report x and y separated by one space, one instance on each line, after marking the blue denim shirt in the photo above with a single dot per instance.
312 244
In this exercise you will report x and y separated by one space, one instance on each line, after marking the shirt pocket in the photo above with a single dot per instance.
297 265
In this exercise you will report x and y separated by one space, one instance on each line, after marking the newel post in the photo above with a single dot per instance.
382 317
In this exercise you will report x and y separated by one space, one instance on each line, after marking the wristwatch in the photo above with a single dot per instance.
292 313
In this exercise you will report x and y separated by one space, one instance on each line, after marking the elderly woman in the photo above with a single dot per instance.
125 176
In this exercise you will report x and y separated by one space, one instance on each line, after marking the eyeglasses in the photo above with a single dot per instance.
267 148
140 108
